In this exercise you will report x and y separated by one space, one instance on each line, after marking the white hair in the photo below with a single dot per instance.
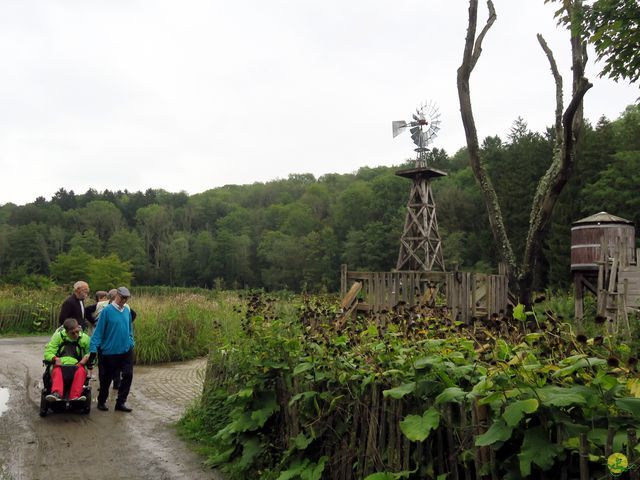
79 284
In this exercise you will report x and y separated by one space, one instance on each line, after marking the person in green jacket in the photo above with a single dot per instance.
68 347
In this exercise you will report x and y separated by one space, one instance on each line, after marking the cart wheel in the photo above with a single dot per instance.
44 406
87 405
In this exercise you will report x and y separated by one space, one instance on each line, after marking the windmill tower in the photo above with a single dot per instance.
420 245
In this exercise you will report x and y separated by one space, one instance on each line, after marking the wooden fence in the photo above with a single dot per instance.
466 294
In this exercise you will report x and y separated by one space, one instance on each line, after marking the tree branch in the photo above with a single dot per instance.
559 87
477 49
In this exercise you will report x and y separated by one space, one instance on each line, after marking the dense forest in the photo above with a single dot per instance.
294 233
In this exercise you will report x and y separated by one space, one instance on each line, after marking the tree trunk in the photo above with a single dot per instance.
567 128
472 50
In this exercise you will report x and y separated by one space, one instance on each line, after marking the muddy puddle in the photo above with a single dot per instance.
4 400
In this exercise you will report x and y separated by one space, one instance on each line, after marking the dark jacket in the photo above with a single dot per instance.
91 310
71 309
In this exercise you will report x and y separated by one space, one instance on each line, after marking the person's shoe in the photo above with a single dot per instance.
103 407
81 398
53 397
121 407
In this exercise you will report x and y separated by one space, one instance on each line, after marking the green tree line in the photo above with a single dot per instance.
294 233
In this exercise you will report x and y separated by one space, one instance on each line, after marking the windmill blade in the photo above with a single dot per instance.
398 127
417 137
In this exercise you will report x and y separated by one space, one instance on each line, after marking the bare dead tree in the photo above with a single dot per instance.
567 127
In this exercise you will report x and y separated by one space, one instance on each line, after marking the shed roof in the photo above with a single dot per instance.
602 217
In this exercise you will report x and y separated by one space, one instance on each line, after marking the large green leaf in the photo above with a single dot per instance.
581 363
294 470
220 458
516 410
417 428
552 396
400 391
630 404
389 476
536 448
251 449
451 394
425 362
303 396
302 367
244 422
266 406
301 442
314 470
518 312
498 432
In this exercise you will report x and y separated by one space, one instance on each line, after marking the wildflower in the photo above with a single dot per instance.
613 362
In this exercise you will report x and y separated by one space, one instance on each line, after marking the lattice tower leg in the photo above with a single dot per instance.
420 245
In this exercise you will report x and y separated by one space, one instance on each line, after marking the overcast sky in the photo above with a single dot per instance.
192 95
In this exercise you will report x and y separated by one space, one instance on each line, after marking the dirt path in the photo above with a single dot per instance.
102 445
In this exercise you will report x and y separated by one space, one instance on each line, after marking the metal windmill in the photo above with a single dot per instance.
424 128
420 245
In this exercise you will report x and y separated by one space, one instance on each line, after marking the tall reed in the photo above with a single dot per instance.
181 327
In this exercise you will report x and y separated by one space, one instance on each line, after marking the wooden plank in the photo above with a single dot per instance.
613 275
635 274
405 286
377 294
351 296
472 286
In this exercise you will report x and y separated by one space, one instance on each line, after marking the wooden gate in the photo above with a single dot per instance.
465 294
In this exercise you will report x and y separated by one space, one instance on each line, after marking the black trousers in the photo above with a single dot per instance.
110 366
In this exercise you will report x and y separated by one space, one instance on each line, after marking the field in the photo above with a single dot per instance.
172 324
407 393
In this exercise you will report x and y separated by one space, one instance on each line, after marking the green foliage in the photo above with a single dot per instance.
100 273
537 448
417 428
108 271
87 241
291 387
293 233
25 310
71 267
614 29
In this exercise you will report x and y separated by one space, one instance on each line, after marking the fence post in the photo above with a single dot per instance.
584 457
343 279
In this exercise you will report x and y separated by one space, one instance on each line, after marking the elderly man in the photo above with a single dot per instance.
68 348
73 306
113 338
